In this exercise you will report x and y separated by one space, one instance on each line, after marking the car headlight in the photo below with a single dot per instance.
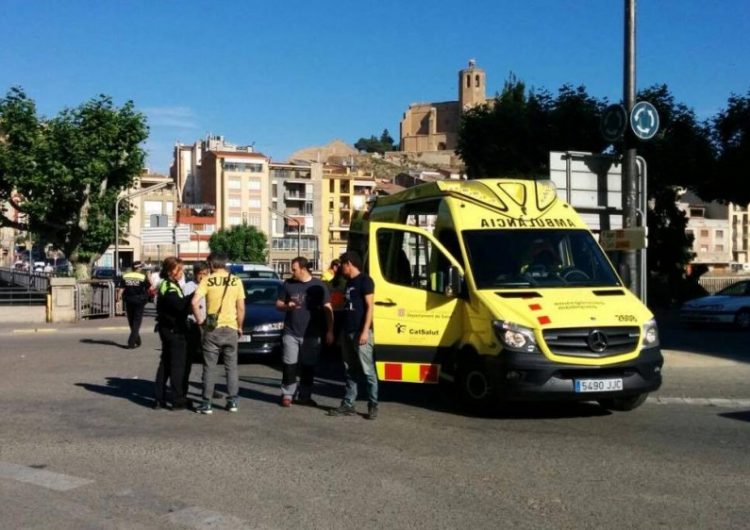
274 326
515 337
650 334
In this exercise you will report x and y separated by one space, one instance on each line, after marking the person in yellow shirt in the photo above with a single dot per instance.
330 273
222 327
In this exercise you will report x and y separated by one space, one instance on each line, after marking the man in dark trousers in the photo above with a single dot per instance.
357 340
309 319
133 290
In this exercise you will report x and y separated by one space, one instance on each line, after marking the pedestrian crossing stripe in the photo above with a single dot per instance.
408 372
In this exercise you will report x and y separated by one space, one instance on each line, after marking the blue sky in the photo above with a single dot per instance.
291 74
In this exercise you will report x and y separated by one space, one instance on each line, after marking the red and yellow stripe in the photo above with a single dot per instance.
408 372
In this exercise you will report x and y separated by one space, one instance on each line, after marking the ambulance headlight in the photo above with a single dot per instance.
650 334
515 337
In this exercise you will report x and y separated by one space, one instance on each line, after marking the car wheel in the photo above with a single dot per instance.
742 319
623 404
476 389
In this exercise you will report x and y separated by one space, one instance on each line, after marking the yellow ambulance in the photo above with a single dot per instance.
498 287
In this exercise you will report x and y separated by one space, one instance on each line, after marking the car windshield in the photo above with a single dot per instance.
507 259
261 293
737 289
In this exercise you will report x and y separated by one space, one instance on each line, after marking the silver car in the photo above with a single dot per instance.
731 305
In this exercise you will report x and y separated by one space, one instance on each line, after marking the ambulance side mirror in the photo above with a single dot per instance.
455 281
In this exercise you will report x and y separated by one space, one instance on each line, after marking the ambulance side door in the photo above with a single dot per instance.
417 319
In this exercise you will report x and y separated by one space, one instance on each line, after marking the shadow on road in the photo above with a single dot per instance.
104 342
138 391
741 416
723 342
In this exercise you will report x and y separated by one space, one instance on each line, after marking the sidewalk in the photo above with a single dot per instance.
119 323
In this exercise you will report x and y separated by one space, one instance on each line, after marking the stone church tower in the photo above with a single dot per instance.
471 86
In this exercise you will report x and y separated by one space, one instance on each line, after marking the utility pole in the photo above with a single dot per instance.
136 193
629 178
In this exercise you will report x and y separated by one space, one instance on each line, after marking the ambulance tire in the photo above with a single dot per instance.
623 404
476 391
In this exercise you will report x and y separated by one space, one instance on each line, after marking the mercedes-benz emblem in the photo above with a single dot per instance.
597 341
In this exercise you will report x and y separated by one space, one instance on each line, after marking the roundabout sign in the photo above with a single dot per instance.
644 120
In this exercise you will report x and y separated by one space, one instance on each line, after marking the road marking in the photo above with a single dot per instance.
705 402
40 477
202 519
114 328
35 330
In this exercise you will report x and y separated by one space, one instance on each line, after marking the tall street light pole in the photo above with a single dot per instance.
629 184
137 193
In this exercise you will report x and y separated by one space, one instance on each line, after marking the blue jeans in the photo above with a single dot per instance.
358 361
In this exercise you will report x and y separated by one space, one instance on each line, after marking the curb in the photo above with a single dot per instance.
53 330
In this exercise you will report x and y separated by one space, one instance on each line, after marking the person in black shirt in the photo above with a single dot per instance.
357 341
309 319
133 290
172 308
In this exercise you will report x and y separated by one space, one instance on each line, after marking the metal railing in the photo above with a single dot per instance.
95 298
714 284
33 280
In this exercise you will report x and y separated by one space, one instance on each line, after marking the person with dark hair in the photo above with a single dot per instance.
194 351
309 318
330 273
222 327
133 290
357 340
171 317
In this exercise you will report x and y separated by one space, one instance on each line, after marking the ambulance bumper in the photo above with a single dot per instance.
523 376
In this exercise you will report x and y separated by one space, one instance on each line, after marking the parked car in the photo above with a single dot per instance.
252 270
731 305
261 331
104 273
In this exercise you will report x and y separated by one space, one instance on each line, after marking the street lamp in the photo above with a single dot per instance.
299 233
198 239
137 193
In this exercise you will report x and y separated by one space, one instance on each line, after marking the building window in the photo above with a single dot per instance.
169 207
719 248
254 220
235 184
704 248
234 202
152 207
254 184
331 186
240 167
720 234
234 220
254 203
468 81
696 212
704 233
476 81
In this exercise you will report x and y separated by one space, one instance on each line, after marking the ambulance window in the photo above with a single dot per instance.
449 239
410 259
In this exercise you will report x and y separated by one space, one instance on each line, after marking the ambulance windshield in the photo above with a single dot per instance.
507 259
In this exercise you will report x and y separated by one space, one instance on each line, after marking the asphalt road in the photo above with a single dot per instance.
80 448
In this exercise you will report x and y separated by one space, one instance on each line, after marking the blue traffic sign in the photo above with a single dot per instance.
614 122
644 120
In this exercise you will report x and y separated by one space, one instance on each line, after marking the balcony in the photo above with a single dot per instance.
293 196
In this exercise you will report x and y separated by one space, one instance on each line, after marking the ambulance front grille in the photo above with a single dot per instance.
592 342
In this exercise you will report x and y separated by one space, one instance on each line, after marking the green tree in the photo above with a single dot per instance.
241 243
63 175
376 145
731 129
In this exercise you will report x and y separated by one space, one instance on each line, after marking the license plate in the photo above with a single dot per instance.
598 385
245 338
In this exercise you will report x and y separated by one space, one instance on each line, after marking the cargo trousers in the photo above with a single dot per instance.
220 342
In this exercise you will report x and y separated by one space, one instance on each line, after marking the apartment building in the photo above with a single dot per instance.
345 189
221 185
295 213
739 219
709 224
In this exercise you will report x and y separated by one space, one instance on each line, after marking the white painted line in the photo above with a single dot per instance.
40 477
704 402
36 330
202 519
114 328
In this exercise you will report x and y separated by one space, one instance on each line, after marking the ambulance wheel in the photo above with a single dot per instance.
475 387
623 404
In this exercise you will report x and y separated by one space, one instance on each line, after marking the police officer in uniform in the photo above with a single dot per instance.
133 290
